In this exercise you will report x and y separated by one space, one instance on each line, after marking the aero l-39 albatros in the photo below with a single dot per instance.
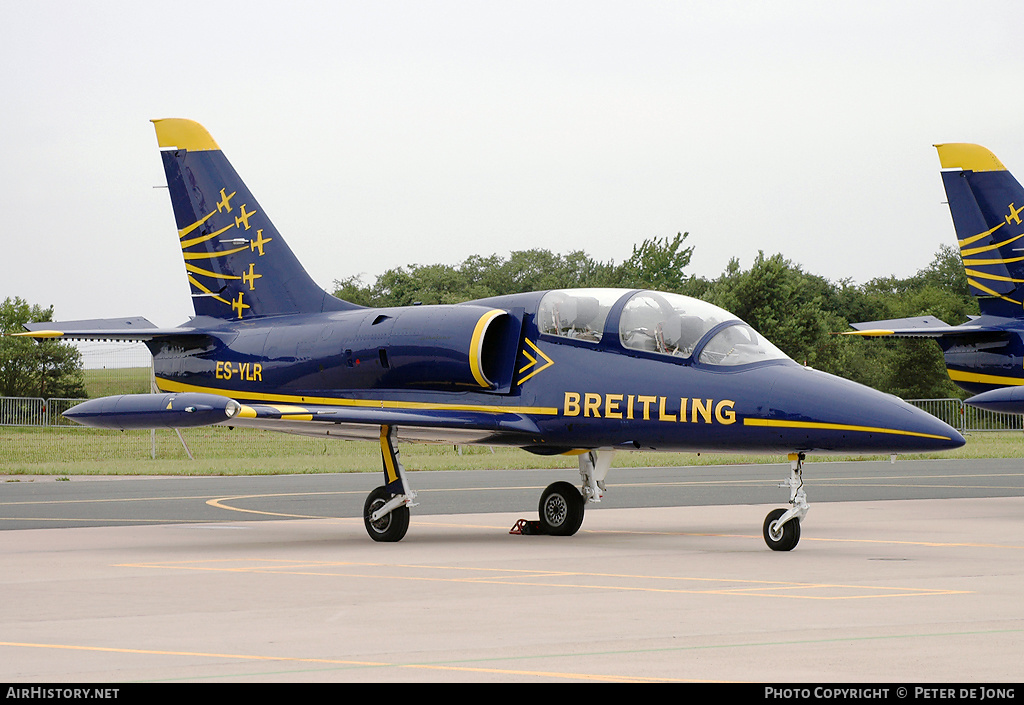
588 372
985 355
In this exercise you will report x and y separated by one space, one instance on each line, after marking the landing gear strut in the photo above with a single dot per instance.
386 510
782 526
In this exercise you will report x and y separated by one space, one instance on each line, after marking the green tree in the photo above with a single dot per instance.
31 369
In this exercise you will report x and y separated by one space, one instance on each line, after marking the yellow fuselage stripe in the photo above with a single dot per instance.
777 423
167 385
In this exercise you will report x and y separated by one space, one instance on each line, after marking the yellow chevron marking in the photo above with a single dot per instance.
548 362
777 423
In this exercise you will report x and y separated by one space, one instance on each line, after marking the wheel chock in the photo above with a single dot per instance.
524 527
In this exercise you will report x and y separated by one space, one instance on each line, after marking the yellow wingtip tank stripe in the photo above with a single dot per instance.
38 334
869 333
970 157
183 134
819 426
476 345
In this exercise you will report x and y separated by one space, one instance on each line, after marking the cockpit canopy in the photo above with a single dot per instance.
655 322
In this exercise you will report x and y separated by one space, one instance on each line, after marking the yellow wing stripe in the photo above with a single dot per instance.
168 385
961 376
818 426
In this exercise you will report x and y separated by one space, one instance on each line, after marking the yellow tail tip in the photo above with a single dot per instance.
969 157
183 134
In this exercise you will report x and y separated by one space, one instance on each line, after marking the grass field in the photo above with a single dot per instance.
221 451
116 380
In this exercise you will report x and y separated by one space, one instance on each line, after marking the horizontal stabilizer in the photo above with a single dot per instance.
127 329
919 327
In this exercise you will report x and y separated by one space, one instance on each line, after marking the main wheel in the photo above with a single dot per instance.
390 527
781 538
561 509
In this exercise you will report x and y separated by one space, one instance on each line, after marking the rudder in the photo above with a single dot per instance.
987 204
237 263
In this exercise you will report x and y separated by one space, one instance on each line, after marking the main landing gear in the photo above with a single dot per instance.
386 510
782 526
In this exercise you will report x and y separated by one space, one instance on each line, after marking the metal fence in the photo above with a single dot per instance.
35 411
967 419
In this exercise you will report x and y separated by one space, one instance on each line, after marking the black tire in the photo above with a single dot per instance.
561 509
388 528
787 538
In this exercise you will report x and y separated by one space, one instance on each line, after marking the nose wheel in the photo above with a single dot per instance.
782 526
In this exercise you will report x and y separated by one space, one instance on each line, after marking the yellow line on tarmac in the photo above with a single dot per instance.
344 662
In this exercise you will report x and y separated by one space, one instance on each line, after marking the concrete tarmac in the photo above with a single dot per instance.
901 592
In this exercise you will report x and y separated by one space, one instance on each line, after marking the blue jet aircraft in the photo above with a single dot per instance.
985 355
586 372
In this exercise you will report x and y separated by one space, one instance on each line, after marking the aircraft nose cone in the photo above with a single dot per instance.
828 413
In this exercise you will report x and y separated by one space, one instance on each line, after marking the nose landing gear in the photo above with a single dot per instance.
782 526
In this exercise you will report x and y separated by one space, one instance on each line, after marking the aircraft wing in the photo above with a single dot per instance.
919 327
353 419
126 329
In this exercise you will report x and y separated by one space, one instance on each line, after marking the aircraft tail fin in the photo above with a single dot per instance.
987 205
237 263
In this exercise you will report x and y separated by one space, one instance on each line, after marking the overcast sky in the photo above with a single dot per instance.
381 133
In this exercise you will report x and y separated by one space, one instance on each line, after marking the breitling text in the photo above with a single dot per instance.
648 408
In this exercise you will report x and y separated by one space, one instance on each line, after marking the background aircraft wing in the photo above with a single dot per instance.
127 329
919 327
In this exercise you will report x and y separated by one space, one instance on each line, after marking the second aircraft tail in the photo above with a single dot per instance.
987 203
237 263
